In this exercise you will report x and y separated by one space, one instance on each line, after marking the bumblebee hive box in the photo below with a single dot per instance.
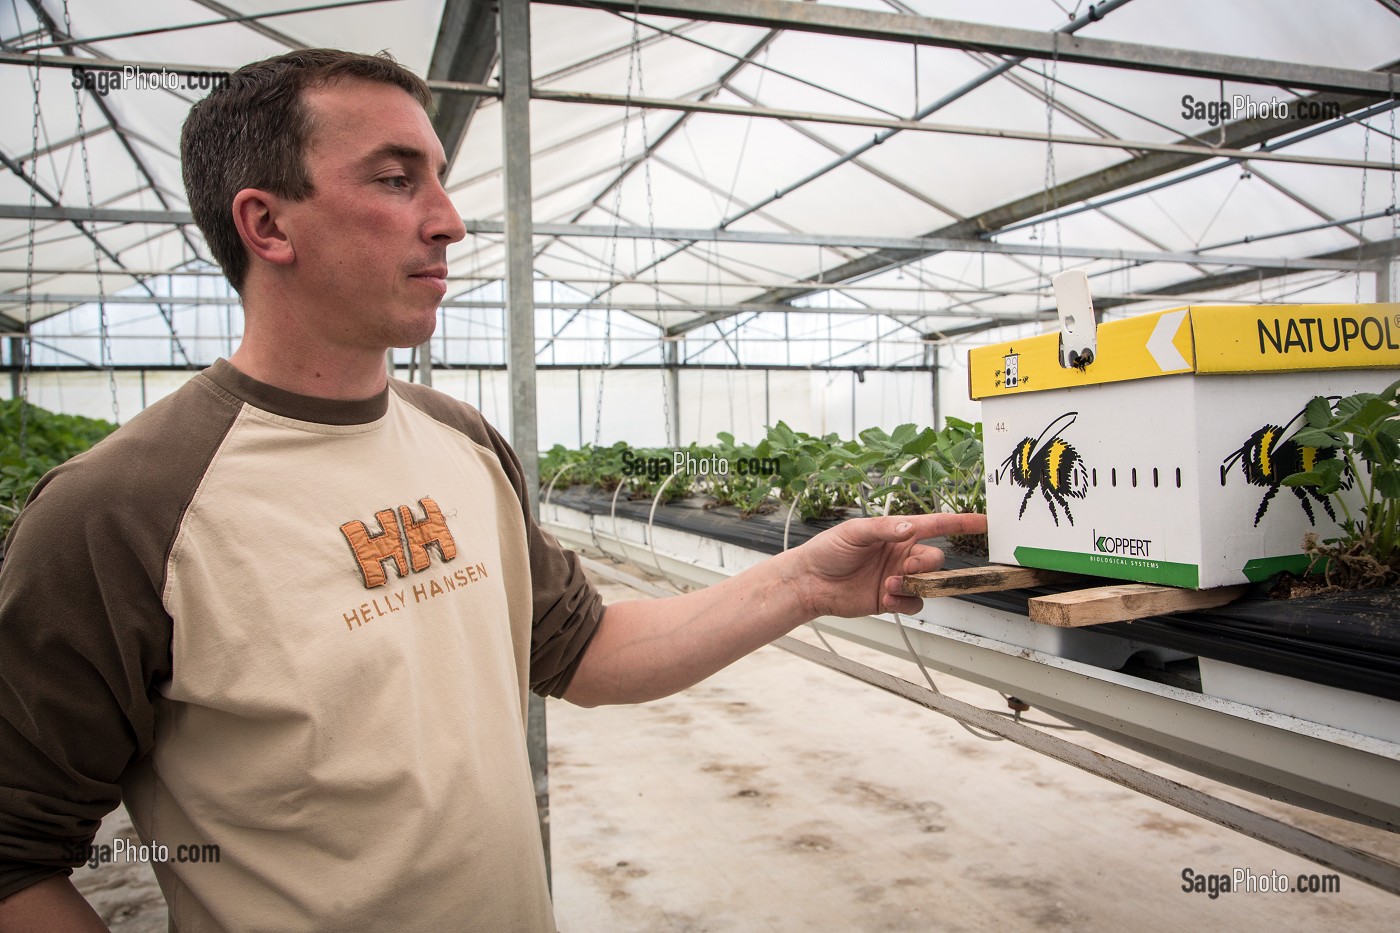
1162 459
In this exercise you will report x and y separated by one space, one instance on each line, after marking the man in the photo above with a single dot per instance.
293 610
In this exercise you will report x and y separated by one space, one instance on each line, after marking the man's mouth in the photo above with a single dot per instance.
433 275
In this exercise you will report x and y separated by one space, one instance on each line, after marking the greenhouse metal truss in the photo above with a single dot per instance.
733 183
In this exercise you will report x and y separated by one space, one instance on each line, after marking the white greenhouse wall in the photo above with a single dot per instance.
741 402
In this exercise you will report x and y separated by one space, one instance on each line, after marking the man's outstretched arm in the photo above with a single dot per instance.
52 904
652 648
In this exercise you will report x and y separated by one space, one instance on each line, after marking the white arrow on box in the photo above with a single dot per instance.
1162 344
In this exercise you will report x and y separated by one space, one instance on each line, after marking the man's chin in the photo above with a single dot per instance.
414 336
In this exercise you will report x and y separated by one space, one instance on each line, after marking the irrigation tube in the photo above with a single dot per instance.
1355 863
548 493
651 535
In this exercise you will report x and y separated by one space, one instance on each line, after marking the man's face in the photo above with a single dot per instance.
371 241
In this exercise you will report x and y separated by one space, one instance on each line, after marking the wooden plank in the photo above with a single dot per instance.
1123 602
991 578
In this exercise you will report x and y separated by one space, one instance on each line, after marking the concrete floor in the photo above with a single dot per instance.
779 795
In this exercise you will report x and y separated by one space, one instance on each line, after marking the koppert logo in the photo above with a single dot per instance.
1123 547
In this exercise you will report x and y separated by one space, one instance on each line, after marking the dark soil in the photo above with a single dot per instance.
1336 568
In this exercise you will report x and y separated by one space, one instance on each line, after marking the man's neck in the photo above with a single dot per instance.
278 351
319 376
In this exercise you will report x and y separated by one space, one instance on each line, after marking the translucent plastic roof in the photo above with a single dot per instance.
798 201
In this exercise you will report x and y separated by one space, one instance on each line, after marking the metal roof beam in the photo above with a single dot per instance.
1189 147
1027 43
228 16
253 23
69 62
675 127
131 152
39 190
101 215
1095 13
1354 256
1122 175
928 244
465 51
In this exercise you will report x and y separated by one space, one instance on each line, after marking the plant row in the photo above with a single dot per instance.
906 471
33 441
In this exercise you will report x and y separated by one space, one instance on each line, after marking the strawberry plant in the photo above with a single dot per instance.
1364 432
49 439
748 490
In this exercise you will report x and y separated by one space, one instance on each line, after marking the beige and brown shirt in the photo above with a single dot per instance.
302 630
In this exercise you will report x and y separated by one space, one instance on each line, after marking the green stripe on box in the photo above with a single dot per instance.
1261 568
1109 565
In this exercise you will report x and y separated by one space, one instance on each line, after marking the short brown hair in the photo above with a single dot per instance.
252 131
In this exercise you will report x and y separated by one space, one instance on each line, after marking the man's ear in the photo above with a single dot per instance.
257 215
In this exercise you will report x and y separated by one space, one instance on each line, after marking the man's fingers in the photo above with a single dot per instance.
948 523
908 605
923 559
904 527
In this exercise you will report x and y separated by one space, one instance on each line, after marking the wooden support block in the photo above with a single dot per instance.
988 579
1123 602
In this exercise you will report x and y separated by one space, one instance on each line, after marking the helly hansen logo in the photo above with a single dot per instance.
403 539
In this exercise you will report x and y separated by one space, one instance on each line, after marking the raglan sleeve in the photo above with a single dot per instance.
568 607
83 635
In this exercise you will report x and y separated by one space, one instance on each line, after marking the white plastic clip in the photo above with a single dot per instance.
1078 329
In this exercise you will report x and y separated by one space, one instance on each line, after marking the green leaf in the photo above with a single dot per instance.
1315 437
1370 414
1352 403
1379 449
1319 412
1332 472
1388 484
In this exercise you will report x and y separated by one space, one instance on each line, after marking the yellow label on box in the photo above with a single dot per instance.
1275 338
1203 339
1134 348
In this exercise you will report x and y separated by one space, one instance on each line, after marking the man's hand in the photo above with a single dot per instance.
652 648
855 568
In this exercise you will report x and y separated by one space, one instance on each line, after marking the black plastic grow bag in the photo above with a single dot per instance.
1348 640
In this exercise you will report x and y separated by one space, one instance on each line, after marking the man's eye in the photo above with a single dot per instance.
399 182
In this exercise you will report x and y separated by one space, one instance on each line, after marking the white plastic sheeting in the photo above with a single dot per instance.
702 171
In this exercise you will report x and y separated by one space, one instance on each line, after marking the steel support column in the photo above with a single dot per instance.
17 364
520 295
673 390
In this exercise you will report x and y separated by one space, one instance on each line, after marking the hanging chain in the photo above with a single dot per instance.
104 332
28 343
614 273
1365 156
103 328
1050 200
1394 212
651 224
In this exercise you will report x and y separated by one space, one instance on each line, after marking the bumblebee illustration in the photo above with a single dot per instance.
1054 468
1268 457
